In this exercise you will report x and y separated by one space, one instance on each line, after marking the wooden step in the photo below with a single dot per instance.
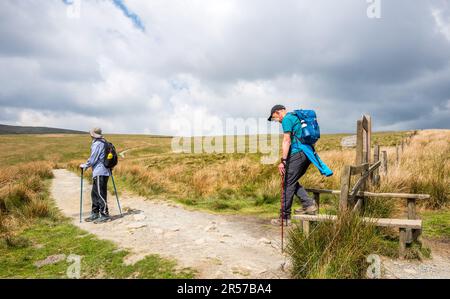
384 222
372 194
400 223
315 218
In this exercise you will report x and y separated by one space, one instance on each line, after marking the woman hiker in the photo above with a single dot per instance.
100 174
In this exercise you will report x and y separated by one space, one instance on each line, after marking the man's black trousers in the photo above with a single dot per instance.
296 167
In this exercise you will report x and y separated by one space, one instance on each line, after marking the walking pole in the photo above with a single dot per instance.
115 191
282 212
81 196
283 183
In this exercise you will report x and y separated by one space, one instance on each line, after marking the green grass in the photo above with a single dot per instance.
99 258
391 138
436 224
31 229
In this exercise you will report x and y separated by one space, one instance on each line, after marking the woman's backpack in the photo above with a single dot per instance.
111 158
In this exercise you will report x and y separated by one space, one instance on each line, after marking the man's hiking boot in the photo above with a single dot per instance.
92 218
102 219
277 222
311 210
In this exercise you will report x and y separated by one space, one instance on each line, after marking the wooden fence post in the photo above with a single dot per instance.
305 228
384 162
366 132
359 142
345 186
411 234
376 157
317 200
398 154
402 243
369 137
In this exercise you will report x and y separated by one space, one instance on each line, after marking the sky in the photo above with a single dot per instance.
157 67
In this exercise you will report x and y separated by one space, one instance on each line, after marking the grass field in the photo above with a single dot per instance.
218 183
236 183
100 259
31 228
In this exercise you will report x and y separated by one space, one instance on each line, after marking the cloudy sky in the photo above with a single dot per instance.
135 66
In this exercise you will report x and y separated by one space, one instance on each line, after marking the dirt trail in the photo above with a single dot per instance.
216 246
438 266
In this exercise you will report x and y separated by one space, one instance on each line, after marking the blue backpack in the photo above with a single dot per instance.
310 129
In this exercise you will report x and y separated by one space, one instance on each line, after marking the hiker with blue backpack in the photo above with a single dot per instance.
300 133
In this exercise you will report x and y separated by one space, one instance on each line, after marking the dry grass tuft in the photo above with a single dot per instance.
23 195
334 249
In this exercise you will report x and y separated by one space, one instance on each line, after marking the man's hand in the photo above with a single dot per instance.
282 168
83 166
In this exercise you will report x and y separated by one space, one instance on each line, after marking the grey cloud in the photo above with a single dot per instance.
322 54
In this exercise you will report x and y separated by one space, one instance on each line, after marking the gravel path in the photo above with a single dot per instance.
216 246
436 267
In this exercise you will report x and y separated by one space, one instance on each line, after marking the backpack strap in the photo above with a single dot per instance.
299 123
102 140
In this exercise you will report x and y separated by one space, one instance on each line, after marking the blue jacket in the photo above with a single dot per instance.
96 159
315 159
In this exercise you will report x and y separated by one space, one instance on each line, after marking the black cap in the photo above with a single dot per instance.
275 109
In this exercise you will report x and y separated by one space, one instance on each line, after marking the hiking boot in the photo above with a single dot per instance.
311 210
92 218
102 219
277 222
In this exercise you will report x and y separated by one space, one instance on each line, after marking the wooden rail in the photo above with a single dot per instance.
371 194
384 222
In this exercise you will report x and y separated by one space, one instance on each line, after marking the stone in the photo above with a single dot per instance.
136 225
210 228
139 217
286 266
53 259
264 241
410 271
38 246
243 271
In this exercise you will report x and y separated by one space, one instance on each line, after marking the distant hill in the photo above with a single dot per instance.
5 129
